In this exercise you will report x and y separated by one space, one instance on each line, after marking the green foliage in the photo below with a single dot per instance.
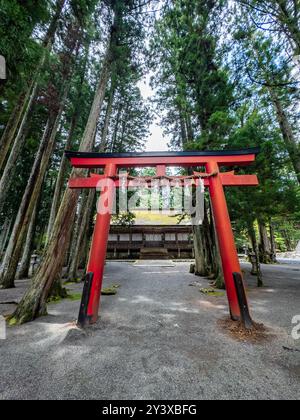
74 296
122 219
18 43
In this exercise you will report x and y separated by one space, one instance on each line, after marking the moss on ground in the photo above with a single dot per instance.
72 282
111 290
12 322
69 296
74 296
212 292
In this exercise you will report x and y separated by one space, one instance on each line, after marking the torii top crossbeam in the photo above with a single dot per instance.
215 180
152 159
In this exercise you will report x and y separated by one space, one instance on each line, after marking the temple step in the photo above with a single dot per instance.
154 254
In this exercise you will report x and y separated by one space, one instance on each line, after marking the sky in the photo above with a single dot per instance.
156 142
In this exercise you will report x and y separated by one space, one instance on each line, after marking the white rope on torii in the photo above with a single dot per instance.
166 177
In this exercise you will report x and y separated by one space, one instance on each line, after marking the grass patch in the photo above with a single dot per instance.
12 322
211 292
74 296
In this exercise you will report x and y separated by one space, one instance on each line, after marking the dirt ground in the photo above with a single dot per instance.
157 338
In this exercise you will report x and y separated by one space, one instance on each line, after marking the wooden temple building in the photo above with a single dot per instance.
150 242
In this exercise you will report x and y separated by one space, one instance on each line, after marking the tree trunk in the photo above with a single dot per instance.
199 250
40 243
116 129
5 278
23 272
183 133
287 240
10 129
85 253
10 166
287 133
83 225
189 128
203 247
265 246
4 234
10 169
60 181
273 243
33 304
256 269
58 291
108 114
77 226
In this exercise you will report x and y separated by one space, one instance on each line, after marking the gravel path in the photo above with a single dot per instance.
158 338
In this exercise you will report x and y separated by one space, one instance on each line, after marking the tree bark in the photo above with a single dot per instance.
60 181
287 240
273 243
202 247
116 129
4 234
77 226
85 254
107 119
183 132
83 224
265 246
199 250
10 168
189 128
10 129
290 141
256 271
23 272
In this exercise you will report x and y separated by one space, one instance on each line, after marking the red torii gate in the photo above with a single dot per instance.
213 179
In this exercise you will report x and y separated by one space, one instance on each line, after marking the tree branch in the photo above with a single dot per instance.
267 84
